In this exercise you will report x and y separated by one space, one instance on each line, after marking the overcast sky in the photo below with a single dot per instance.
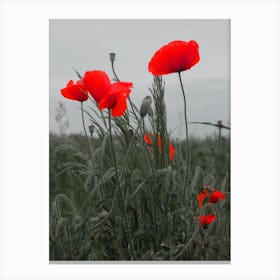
86 44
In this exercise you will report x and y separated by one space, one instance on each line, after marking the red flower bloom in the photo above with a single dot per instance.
174 57
201 196
107 95
148 140
75 91
171 151
207 219
159 143
215 196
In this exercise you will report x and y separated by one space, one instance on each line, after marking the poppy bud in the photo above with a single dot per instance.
90 182
150 112
145 106
77 221
112 57
103 214
91 129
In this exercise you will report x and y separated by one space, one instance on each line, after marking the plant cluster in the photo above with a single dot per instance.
129 191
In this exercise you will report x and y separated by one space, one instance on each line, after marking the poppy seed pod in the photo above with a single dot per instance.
91 129
112 57
145 106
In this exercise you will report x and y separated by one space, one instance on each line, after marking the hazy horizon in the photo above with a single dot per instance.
86 44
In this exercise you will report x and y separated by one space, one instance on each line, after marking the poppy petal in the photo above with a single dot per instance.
159 143
216 196
201 197
207 219
108 101
119 107
75 91
98 84
147 139
171 151
121 87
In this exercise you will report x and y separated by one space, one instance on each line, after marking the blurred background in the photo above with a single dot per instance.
86 44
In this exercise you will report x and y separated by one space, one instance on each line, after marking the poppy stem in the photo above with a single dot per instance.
219 144
114 72
129 148
83 119
217 155
187 136
122 202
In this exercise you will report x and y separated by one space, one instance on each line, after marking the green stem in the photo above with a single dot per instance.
83 119
219 144
60 197
187 137
129 148
121 174
113 69
120 190
217 155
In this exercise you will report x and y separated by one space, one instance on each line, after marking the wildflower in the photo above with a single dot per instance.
75 91
148 141
145 106
171 151
207 219
201 197
177 56
215 196
112 96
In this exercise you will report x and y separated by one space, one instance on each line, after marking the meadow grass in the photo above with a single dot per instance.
125 199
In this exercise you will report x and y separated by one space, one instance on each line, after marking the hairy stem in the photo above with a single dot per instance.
122 205
83 119
187 136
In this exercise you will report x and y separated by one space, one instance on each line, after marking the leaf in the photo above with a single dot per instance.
213 124
107 176
157 173
195 178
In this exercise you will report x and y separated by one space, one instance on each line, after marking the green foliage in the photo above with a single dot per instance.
86 215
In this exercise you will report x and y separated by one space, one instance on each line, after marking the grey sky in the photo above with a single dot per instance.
86 44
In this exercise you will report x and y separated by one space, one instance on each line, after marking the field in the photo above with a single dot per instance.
130 191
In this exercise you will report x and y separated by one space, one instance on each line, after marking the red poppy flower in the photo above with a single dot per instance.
148 140
107 95
207 219
201 197
215 196
174 57
75 91
171 151
159 143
